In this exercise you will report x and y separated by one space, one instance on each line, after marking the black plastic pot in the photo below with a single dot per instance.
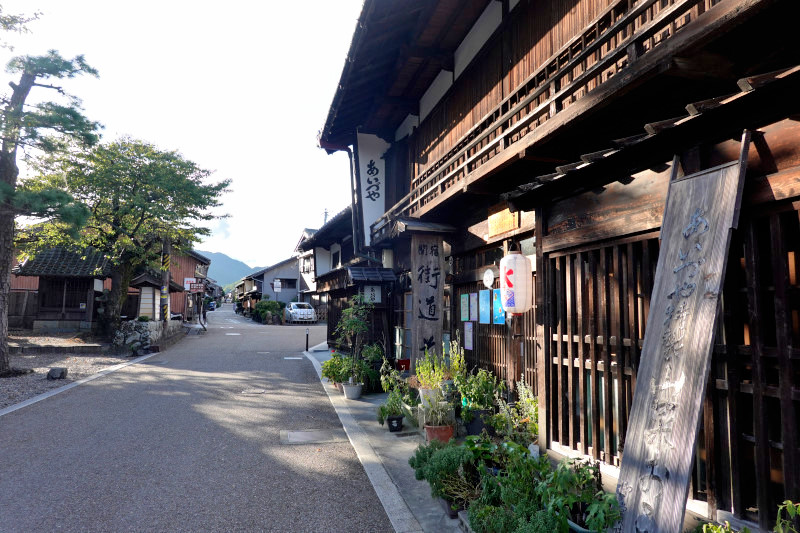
395 423
476 424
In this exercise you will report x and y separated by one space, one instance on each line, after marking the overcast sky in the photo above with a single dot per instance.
240 87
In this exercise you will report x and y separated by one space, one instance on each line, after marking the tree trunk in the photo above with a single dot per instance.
6 257
121 276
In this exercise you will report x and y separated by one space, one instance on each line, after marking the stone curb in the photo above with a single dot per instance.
394 504
39 349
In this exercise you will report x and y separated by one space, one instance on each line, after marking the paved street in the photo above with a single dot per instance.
190 440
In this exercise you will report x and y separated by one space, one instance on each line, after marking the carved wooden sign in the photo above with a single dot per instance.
427 287
657 459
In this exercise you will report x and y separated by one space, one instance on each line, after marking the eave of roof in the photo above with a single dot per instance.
341 220
397 50
723 117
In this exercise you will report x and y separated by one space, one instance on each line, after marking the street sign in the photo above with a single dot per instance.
276 285
187 282
196 287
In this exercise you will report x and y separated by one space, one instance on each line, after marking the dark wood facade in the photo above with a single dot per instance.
565 116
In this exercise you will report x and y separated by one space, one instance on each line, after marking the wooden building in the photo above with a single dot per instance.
555 127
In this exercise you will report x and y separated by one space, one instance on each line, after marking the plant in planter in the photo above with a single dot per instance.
478 392
430 374
449 471
519 421
350 330
392 410
438 418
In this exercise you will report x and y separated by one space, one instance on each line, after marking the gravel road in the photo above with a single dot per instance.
189 440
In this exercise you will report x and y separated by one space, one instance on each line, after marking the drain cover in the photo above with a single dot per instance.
312 436
254 391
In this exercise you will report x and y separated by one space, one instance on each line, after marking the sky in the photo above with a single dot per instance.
240 88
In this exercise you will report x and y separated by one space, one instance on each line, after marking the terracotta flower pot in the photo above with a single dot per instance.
442 433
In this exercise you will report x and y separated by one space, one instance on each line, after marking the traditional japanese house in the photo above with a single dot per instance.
557 129
307 287
64 284
283 275
340 274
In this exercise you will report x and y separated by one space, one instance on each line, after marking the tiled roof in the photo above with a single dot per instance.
62 262
370 274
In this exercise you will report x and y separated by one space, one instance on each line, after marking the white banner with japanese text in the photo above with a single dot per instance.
372 180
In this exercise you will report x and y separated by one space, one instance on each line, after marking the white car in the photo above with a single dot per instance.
299 312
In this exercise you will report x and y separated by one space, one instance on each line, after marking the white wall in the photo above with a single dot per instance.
483 28
438 87
322 261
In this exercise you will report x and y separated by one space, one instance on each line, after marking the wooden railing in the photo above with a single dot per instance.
624 32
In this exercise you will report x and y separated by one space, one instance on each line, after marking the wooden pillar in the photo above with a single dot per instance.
427 288
64 301
542 331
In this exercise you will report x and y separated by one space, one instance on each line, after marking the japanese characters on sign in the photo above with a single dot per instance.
427 275
372 180
371 293
676 355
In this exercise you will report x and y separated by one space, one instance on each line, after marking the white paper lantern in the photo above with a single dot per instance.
516 283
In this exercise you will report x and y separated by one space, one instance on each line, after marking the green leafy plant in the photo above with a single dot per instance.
478 392
602 512
451 475
431 370
438 412
710 527
788 515
518 421
335 369
143 318
422 455
392 406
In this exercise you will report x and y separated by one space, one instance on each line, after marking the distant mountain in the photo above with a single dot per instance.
226 270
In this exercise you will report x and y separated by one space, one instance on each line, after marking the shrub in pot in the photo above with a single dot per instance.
478 392
438 418
449 471
392 410
431 371
518 421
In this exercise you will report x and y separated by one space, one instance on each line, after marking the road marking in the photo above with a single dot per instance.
298 358
262 352
233 334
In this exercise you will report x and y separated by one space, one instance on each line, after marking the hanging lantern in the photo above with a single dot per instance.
516 283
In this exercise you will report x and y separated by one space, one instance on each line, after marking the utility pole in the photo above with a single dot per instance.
165 249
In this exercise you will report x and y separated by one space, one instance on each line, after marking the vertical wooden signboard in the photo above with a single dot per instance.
657 459
427 288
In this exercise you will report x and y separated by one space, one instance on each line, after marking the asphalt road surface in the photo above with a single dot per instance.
190 440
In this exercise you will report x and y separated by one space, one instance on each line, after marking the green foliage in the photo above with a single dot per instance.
788 517
458 365
139 196
334 368
519 421
710 527
266 307
438 411
392 406
431 370
542 521
353 325
603 511
479 390
144 318
491 518
422 455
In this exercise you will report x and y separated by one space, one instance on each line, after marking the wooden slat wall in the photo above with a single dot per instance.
747 452
544 37
492 341
601 295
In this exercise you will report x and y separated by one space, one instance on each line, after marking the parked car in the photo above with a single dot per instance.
212 305
299 312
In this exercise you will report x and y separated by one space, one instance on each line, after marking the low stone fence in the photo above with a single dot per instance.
141 337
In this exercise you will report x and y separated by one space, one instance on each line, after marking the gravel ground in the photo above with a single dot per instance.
21 388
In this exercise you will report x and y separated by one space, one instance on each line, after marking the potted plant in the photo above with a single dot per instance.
438 418
449 471
392 410
351 329
478 392
430 374
518 421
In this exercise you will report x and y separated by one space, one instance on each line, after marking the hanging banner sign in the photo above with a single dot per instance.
658 455
371 180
